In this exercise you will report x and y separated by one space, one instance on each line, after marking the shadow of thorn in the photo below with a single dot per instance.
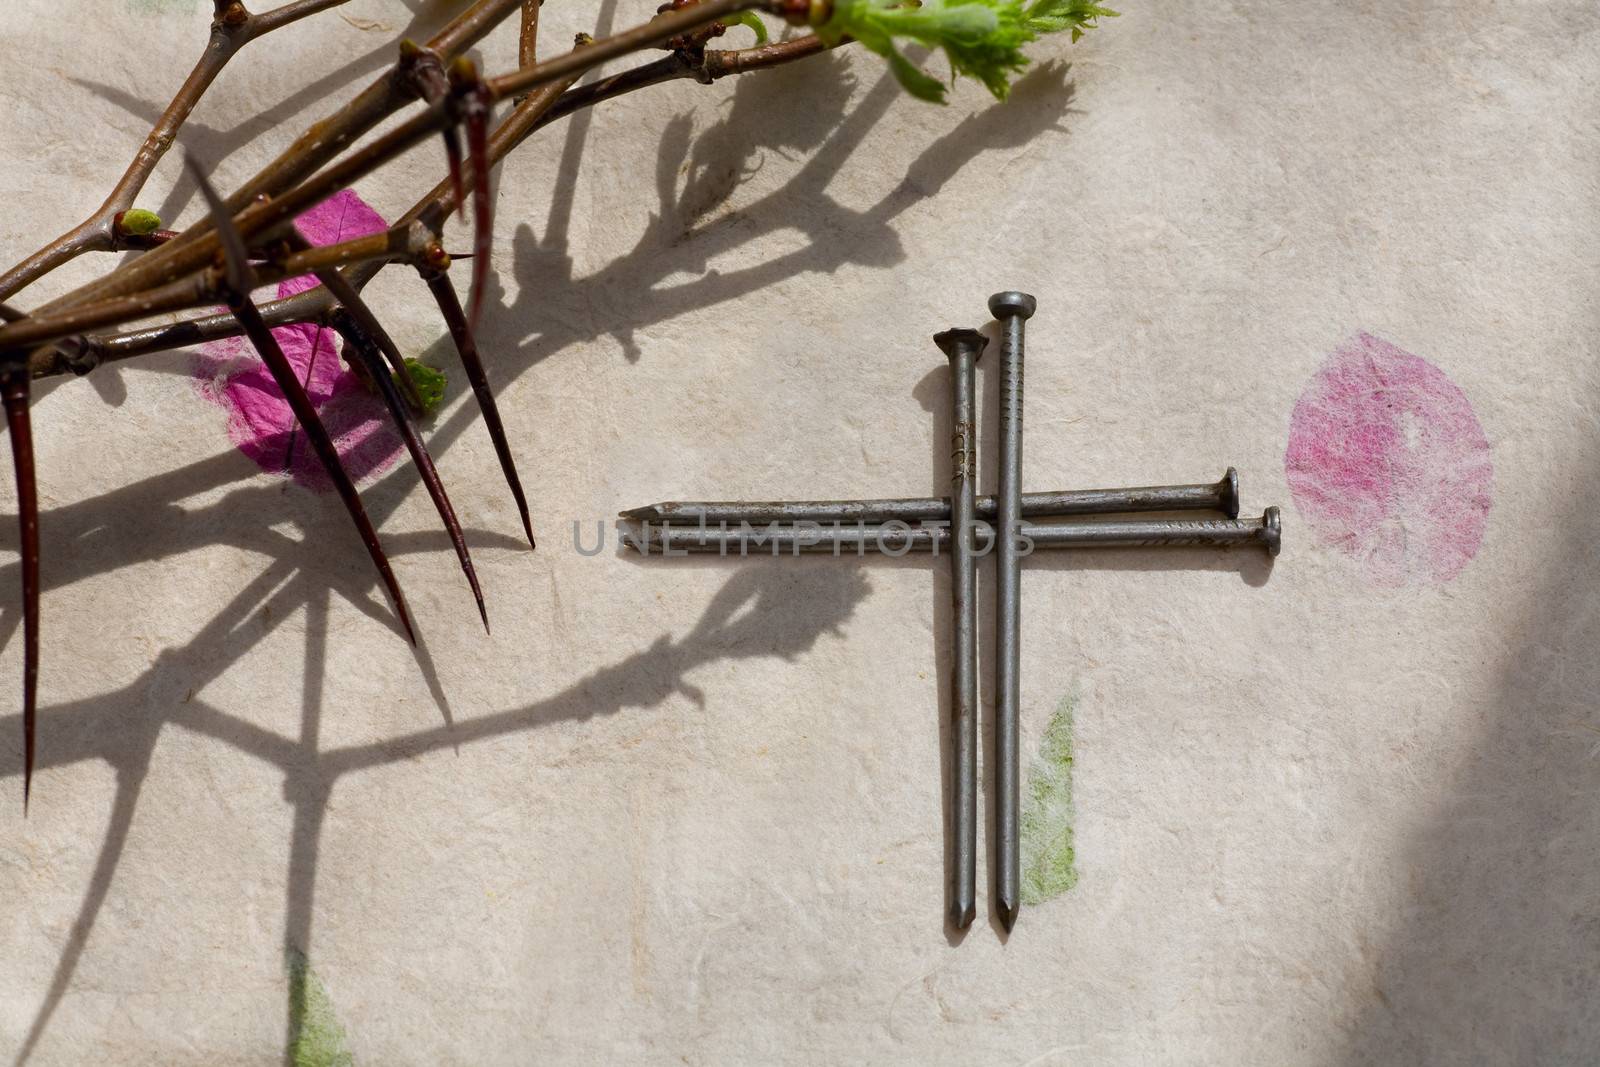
754 614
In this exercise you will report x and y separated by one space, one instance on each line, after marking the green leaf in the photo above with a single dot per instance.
1047 813
982 39
430 382
1050 16
751 21
914 81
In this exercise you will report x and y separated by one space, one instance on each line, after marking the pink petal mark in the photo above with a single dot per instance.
1388 463
229 373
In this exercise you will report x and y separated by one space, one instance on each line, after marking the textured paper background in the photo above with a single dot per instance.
690 811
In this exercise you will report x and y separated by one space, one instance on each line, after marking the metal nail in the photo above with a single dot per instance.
964 348
1012 309
897 539
1221 495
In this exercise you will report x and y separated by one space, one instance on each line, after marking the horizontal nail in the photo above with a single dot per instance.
1221 495
897 539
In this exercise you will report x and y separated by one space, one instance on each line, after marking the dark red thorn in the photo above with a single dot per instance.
14 389
306 413
452 153
235 260
357 339
351 300
444 294
240 280
477 122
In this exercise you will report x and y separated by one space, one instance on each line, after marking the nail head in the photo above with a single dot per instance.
960 338
1012 304
1272 530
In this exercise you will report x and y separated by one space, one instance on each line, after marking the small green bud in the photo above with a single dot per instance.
138 222
430 383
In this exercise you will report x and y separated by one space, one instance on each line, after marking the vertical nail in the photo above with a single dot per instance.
1011 309
963 347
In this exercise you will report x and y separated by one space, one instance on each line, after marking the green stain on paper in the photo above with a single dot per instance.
1047 815
317 1039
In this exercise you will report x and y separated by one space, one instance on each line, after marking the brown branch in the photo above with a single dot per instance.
48 327
319 144
403 243
231 30
528 38
196 247
714 64
278 17
313 305
534 113
655 32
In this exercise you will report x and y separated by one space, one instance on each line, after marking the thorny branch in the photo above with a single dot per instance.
231 29
189 269
249 238
408 239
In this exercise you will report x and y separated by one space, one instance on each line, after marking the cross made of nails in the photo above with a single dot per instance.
1011 523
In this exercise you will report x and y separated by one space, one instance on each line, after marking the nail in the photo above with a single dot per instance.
1012 309
897 539
1221 495
963 347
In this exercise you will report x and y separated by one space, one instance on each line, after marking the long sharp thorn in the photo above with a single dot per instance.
15 392
367 352
444 294
482 205
304 411
235 259
346 294
452 153
283 373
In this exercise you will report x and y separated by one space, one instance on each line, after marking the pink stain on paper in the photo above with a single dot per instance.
231 374
1388 463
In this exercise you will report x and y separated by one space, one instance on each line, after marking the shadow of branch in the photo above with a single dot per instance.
149 521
